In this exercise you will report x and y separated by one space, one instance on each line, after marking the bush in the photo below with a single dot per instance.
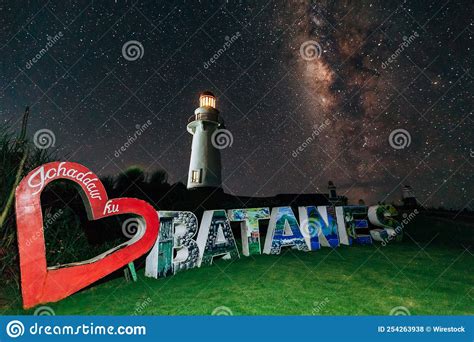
17 158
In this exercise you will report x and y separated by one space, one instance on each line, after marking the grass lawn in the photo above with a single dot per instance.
358 280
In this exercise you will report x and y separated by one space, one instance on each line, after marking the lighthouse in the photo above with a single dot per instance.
205 162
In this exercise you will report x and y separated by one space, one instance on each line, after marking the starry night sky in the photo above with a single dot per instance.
270 97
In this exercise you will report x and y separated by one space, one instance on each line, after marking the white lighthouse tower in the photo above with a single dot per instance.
205 163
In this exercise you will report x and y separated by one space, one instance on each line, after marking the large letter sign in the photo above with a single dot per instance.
250 232
176 235
172 233
215 237
319 227
382 216
159 261
187 250
352 220
42 284
283 231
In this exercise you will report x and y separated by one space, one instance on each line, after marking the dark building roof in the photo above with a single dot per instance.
201 199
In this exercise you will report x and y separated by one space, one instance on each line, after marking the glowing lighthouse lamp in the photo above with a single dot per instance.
205 163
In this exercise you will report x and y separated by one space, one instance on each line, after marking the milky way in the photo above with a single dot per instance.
371 68
368 75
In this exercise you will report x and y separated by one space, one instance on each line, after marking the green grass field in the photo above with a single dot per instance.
358 280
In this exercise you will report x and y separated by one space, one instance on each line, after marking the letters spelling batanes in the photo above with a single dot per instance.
176 249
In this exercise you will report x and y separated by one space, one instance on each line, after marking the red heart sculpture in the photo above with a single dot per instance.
42 284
